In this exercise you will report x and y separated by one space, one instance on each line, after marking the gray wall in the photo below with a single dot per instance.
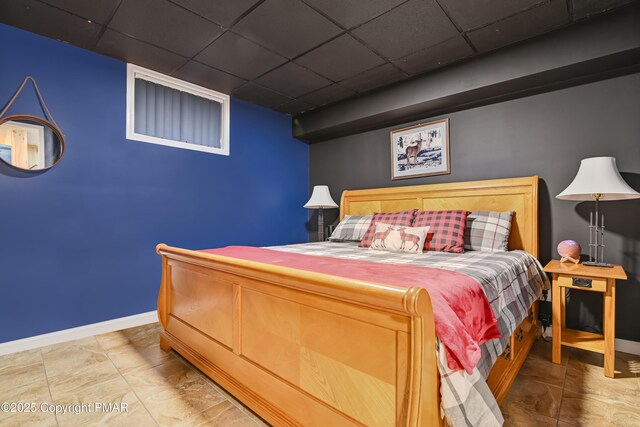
545 135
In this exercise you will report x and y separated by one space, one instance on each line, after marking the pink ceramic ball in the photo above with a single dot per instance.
569 248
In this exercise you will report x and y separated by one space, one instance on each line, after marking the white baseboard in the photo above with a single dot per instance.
78 333
625 346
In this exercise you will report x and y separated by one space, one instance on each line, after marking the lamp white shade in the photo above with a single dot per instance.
320 198
598 175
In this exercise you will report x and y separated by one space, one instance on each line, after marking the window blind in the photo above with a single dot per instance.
168 113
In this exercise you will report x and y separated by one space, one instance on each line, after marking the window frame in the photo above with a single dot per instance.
135 71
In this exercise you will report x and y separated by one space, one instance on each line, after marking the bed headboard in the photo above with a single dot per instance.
512 194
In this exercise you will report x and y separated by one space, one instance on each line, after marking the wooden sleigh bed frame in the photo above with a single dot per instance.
303 348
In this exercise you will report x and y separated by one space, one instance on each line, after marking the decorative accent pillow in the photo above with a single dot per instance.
488 231
446 229
396 218
398 238
351 228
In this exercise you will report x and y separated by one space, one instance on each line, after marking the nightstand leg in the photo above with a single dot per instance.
609 328
556 320
563 306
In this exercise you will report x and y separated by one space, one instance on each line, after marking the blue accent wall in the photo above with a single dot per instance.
77 243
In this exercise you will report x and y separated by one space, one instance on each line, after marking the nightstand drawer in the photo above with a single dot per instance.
583 283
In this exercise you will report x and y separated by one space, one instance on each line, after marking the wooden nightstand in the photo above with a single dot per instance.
584 278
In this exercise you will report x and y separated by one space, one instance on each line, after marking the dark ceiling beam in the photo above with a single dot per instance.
604 48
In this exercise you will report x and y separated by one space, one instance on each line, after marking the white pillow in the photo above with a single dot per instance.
399 238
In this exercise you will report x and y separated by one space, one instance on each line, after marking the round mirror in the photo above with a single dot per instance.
30 142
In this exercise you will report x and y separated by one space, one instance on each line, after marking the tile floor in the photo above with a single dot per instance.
120 367
574 393
163 389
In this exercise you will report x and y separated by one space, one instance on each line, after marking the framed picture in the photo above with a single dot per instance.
420 150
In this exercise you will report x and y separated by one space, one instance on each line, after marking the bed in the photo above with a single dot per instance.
311 349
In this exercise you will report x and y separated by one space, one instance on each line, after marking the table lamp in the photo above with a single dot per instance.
320 199
598 179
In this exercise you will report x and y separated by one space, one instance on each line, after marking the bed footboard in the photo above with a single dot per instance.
302 348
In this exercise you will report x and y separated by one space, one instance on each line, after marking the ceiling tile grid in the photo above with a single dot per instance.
415 25
353 12
41 18
222 12
206 76
239 56
470 14
296 55
371 79
97 11
532 22
117 45
288 27
340 58
292 80
328 95
165 24
260 95
436 56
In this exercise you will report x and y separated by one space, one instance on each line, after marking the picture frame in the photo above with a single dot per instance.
420 150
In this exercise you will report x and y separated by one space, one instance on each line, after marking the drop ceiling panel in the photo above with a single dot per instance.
413 26
353 12
436 56
294 107
288 27
293 80
340 58
239 56
470 14
585 8
206 76
96 11
260 95
49 21
223 12
296 54
165 25
328 94
374 78
533 22
138 52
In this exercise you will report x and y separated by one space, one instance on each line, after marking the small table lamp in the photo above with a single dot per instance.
320 199
598 179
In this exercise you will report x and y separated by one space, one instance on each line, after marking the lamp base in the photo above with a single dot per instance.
597 264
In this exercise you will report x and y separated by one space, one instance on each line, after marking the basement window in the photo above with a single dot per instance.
167 111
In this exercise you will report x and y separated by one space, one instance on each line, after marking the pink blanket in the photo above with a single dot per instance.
463 317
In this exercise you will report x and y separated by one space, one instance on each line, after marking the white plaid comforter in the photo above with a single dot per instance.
512 281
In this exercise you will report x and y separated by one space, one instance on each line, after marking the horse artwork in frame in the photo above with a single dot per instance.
420 150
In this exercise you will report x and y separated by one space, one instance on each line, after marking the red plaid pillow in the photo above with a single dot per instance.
395 218
446 229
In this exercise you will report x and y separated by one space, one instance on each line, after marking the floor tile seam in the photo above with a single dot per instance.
110 349
191 366
46 377
235 402
226 410
133 390
67 344
182 393
26 368
217 388
564 383
604 400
